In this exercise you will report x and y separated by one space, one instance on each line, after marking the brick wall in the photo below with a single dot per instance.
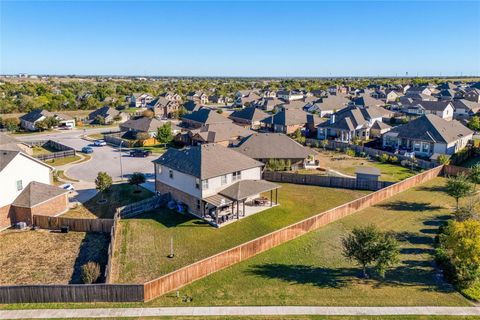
179 196
52 207
5 217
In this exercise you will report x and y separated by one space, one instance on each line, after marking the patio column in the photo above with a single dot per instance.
244 207
276 196
216 215
238 213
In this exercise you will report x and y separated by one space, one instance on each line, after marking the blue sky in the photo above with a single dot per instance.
249 38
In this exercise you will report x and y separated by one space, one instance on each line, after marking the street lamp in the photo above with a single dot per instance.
121 167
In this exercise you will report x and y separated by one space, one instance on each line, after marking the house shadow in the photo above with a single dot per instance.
433 188
170 218
94 247
409 206
410 273
414 238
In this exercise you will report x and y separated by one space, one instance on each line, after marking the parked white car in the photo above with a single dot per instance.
67 186
99 143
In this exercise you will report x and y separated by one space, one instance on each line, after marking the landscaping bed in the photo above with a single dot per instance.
143 242
118 196
48 257
311 270
347 165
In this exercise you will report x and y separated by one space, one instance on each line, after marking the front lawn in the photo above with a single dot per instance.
311 270
62 161
48 257
119 195
156 149
143 243
347 165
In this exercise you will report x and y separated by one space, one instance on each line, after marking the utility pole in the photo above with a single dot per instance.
121 167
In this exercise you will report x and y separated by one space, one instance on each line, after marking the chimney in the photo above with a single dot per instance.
332 119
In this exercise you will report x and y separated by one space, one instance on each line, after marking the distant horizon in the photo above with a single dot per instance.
274 39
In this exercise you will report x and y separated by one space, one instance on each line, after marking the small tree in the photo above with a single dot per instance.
136 179
148 114
460 244
458 187
443 159
474 123
474 175
324 144
90 272
164 133
99 120
103 182
367 245
219 111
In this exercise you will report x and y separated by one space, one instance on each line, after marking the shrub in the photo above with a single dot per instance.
350 152
393 159
383 158
90 272
219 111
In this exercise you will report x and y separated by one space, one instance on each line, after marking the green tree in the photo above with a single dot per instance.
443 159
460 244
164 133
367 246
459 187
103 182
474 123
99 120
136 179
474 175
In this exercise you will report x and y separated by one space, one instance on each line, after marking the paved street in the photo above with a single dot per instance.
105 158
236 311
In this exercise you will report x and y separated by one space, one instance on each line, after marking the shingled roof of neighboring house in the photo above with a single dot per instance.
367 101
206 161
432 128
104 112
471 106
268 103
206 116
9 143
290 117
251 114
432 105
36 193
143 124
192 106
353 117
36 114
378 125
272 146
332 102
218 132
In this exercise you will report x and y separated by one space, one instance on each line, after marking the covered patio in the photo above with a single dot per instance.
240 200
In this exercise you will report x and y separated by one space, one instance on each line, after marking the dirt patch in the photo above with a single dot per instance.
46 257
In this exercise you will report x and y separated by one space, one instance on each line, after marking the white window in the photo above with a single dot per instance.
205 184
236 176
224 179
19 185
170 174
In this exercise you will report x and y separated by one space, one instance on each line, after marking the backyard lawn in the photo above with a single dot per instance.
62 161
119 195
47 257
311 270
347 165
143 243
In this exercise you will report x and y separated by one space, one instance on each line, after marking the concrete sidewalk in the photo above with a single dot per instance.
235 311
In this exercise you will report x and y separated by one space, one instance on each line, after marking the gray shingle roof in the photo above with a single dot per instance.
104 112
250 114
206 161
218 132
36 114
143 124
36 193
432 128
292 117
206 116
6 156
247 188
272 146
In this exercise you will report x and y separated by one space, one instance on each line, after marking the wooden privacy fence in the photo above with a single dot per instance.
325 181
116 139
72 293
139 207
111 248
203 268
450 170
64 151
75 224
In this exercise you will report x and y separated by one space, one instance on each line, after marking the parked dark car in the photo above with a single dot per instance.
140 153
87 150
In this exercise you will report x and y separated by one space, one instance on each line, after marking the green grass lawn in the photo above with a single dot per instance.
347 165
95 136
62 161
311 270
156 149
143 243
40 151
119 195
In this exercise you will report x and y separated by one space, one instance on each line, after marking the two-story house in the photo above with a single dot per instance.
290 95
443 109
29 121
25 189
198 96
212 182
140 100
